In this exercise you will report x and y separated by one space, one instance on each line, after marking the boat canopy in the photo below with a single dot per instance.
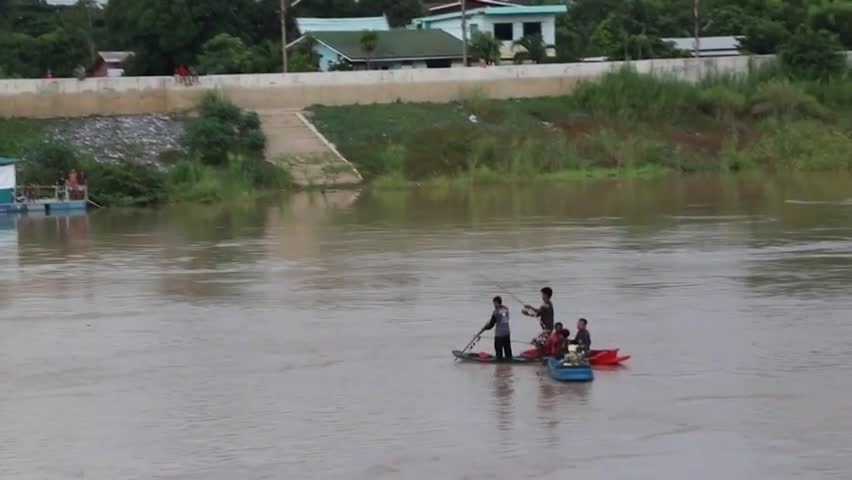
7 179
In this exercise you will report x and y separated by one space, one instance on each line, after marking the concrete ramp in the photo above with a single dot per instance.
314 162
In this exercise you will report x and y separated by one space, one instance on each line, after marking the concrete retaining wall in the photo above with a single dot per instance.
43 98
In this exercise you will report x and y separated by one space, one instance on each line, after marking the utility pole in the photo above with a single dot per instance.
284 33
464 31
283 13
696 16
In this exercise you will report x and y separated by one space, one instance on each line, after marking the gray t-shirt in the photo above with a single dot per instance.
500 322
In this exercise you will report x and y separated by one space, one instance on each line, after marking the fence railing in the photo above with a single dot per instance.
35 193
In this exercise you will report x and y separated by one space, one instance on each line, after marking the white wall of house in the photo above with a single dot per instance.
486 23
327 56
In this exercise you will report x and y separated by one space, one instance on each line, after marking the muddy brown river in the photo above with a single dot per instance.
309 337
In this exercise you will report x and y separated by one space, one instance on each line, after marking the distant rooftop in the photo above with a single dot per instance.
716 45
449 5
502 10
308 24
114 56
394 45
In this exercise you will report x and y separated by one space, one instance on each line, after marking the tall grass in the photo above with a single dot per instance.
624 122
628 94
193 181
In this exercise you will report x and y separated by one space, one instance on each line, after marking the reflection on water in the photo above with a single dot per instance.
504 397
308 337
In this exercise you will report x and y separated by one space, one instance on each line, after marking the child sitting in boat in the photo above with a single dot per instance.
563 343
557 341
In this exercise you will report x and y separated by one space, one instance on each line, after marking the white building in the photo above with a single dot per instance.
507 24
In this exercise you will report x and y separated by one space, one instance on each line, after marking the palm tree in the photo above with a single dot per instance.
483 45
534 47
369 43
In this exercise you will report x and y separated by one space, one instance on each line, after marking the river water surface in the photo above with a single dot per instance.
309 337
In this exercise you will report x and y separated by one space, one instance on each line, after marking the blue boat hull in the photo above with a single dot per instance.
573 373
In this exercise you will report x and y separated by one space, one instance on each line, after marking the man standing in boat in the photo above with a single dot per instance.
502 335
545 316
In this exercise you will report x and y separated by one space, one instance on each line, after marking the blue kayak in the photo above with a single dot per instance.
569 373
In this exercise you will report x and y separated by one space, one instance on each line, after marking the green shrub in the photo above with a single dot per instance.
779 98
732 160
125 184
221 128
254 173
835 92
721 102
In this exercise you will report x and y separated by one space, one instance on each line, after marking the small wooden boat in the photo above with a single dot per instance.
562 372
483 357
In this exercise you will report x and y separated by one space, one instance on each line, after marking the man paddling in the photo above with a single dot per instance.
502 335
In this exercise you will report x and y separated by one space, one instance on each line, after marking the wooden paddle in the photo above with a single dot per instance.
470 344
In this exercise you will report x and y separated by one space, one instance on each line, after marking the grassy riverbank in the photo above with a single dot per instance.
223 161
624 124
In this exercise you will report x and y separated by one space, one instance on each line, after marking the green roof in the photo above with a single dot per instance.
394 44
7 161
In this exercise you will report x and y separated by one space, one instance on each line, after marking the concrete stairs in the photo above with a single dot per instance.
313 161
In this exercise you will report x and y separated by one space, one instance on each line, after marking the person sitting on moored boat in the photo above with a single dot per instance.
583 340
502 336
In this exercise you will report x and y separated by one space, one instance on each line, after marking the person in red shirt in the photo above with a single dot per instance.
553 340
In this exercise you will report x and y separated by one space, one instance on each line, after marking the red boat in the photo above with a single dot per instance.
608 357
597 358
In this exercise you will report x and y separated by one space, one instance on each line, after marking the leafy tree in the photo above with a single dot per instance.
224 54
726 20
16 54
483 45
833 16
369 41
165 33
266 57
620 37
763 37
304 58
61 50
399 12
813 54
569 44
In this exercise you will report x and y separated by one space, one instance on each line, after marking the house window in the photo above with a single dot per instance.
503 31
474 27
532 28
